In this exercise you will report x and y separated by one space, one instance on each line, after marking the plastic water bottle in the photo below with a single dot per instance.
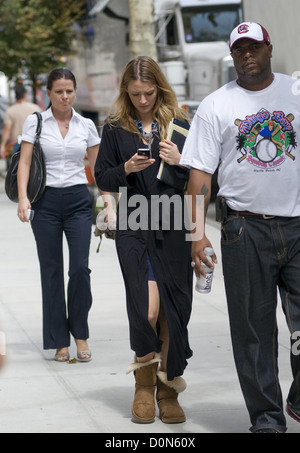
203 284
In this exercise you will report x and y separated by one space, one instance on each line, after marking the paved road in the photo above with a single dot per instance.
38 395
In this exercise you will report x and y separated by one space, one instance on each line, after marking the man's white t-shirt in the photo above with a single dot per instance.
16 115
254 136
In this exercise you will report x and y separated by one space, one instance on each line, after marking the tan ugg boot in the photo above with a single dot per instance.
166 396
143 406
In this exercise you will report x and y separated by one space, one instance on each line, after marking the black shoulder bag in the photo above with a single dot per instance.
37 176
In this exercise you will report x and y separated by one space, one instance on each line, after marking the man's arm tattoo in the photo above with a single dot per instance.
206 193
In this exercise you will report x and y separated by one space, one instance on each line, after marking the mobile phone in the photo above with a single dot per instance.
144 152
30 214
221 209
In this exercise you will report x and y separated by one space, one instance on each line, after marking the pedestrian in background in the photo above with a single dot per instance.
65 208
15 117
259 206
155 263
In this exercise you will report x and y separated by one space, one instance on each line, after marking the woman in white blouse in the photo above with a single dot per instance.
65 207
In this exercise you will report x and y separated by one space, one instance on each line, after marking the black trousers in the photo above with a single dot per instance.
64 211
261 257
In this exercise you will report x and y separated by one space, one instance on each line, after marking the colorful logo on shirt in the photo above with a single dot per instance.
266 139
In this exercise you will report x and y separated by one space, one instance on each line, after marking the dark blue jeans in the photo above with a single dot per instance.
65 211
261 256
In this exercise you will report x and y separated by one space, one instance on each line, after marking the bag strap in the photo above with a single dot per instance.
39 124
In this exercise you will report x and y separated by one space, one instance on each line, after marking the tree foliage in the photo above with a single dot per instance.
35 35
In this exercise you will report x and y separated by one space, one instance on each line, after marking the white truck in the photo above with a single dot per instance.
192 45
192 48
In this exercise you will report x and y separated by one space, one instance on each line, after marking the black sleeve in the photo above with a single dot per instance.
109 168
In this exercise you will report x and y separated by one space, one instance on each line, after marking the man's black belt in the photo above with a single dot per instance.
248 213
223 211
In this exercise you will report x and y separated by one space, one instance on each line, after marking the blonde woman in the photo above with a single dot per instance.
155 261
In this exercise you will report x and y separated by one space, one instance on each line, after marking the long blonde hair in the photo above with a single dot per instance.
166 106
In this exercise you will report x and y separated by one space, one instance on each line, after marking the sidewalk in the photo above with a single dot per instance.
39 395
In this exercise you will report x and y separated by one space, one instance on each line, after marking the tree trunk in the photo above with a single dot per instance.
33 87
141 28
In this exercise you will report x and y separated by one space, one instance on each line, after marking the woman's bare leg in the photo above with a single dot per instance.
152 314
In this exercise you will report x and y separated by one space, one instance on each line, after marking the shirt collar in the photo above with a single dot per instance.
48 114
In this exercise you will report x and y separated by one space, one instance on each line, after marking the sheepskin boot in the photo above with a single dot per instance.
166 396
143 406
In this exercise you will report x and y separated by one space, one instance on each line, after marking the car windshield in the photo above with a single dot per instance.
204 24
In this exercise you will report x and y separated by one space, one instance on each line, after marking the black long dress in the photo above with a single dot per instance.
166 246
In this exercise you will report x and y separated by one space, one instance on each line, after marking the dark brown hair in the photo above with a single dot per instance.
57 74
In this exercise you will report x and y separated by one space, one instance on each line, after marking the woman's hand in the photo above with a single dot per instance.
169 152
23 207
137 163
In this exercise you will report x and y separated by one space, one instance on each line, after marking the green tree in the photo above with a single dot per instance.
35 36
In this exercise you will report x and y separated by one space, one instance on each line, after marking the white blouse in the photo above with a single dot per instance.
64 157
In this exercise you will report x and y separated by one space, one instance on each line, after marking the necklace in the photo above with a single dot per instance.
147 135
64 123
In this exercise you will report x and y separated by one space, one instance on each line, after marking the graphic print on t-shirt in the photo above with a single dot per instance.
266 139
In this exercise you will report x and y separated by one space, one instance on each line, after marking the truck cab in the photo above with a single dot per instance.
192 44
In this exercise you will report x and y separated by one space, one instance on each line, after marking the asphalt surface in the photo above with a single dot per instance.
39 395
